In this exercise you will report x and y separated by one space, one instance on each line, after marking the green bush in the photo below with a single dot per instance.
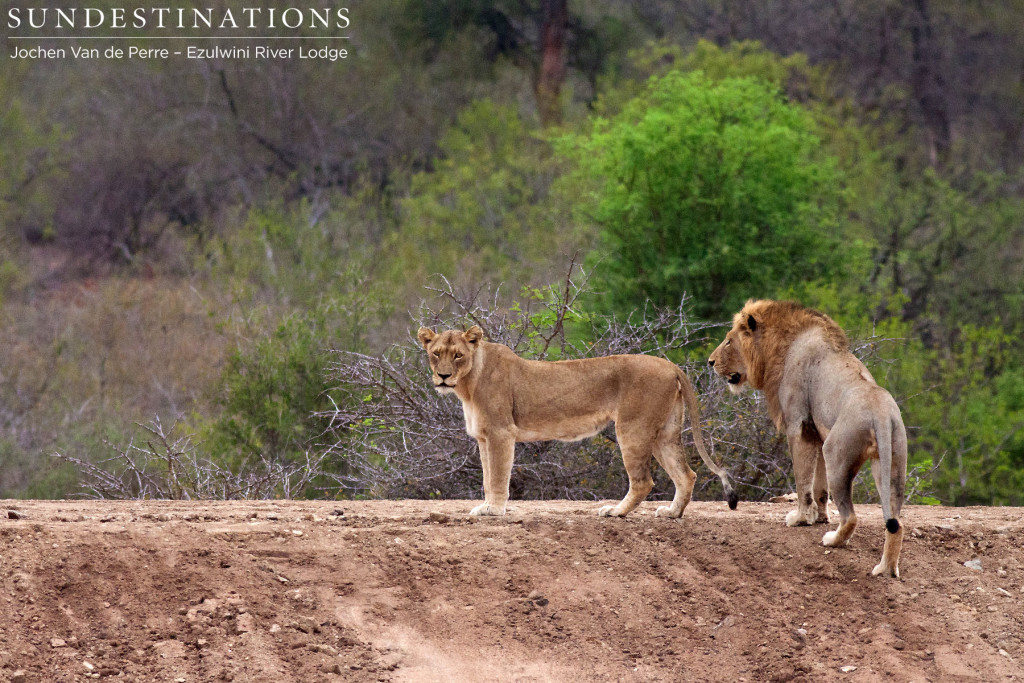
719 189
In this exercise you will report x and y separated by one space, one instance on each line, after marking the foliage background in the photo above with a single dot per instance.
199 240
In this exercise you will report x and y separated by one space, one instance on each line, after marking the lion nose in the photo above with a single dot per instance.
444 377
711 362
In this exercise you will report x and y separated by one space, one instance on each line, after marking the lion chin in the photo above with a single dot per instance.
444 389
737 383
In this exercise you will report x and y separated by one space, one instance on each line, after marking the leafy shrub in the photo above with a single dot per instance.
718 189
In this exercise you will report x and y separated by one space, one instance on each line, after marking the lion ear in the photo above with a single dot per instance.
751 323
425 336
473 334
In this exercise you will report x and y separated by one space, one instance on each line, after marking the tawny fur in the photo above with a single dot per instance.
506 399
827 403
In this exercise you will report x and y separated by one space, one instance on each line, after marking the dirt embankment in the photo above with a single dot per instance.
419 591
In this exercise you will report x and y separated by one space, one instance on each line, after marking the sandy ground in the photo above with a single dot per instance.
420 591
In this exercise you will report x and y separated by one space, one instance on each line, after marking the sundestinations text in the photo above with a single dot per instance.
165 17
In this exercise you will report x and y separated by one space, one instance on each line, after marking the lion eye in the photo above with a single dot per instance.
458 356
436 354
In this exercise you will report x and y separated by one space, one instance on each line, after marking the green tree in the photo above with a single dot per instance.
719 189
299 289
485 212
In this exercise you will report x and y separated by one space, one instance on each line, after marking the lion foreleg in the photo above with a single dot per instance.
496 455
805 462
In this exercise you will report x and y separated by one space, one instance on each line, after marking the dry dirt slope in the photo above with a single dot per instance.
419 591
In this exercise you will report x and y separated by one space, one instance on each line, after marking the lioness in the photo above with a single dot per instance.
833 413
507 399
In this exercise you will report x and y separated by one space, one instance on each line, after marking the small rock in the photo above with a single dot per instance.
296 532
847 669
724 623
439 517
57 642
306 625
18 677
272 515
799 636
323 648
534 594
16 514
338 512
274 628
331 668
898 644
974 564
244 623
88 667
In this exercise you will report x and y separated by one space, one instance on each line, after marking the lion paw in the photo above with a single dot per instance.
486 509
607 511
667 511
882 570
794 518
831 539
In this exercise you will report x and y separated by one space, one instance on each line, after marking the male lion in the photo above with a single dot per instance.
507 399
833 413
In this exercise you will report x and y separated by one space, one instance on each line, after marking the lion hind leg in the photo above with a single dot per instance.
821 489
672 458
842 466
637 459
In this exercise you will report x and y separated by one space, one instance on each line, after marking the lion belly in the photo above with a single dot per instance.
562 430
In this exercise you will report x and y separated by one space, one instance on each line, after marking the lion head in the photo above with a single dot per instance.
754 350
727 361
451 355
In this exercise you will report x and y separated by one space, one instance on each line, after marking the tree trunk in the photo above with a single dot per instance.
929 85
554 21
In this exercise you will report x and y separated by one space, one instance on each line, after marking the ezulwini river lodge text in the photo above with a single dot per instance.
191 52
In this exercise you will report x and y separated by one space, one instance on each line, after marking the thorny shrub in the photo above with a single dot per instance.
401 439
164 465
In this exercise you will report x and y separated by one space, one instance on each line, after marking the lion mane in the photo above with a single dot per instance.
784 321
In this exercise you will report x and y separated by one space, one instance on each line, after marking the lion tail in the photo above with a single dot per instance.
693 410
883 437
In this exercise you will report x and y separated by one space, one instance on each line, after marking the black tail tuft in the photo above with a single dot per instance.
892 525
733 499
